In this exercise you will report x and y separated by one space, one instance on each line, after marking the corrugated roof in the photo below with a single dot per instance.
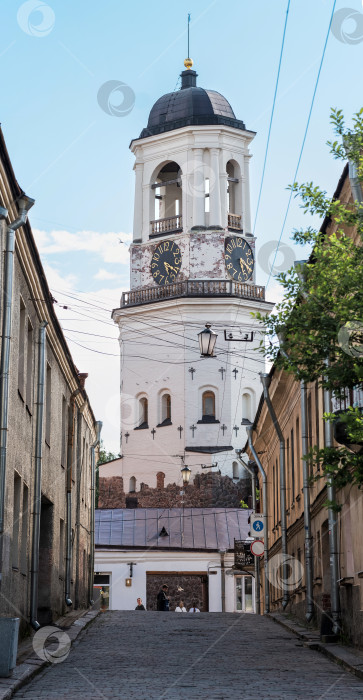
187 528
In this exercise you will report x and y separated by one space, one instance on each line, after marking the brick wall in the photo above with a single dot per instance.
206 491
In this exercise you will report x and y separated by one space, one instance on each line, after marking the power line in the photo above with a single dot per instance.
271 118
303 142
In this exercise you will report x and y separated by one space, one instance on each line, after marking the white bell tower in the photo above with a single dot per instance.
192 262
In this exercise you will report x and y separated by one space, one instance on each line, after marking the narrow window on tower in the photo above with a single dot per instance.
143 413
166 409
209 405
246 407
132 485
207 195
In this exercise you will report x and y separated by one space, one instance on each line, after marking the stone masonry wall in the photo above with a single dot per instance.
206 491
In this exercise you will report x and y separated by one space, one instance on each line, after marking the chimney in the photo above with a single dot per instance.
82 376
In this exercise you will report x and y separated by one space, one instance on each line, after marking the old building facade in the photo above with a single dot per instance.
48 436
188 549
286 395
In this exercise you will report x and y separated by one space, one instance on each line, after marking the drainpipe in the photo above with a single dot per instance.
307 519
37 501
249 429
93 494
355 184
251 470
265 380
333 544
223 580
306 489
71 415
24 204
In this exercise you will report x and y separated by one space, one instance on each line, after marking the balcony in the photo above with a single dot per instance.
162 227
235 222
193 288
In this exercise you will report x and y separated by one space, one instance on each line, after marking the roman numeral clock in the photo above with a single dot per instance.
238 258
166 263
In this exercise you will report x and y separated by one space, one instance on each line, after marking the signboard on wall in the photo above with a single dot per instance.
242 554
257 525
238 334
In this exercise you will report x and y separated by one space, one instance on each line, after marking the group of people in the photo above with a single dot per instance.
163 603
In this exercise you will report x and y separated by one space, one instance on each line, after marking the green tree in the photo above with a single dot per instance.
321 313
103 456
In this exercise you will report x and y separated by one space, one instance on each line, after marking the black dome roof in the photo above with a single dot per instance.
189 106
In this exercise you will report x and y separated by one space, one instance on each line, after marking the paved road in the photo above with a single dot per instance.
211 656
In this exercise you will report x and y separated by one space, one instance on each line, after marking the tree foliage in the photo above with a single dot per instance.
103 456
320 316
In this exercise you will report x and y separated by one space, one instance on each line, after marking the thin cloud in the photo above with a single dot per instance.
111 247
105 275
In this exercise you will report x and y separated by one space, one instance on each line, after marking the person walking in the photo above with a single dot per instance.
140 606
162 600
181 607
194 608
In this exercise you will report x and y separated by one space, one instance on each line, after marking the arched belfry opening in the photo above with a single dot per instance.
234 196
166 200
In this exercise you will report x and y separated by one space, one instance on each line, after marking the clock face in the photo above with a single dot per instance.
239 259
166 263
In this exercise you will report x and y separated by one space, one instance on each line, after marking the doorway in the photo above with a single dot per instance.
188 587
45 563
244 594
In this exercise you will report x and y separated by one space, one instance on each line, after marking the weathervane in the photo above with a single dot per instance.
188 61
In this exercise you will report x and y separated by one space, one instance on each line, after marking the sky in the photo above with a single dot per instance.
68 134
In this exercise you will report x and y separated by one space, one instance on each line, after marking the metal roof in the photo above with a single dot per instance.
187 528
190 106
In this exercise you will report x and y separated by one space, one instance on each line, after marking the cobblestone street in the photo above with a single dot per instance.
211 656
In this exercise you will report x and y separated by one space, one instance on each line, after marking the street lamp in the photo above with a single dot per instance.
207 341
186 472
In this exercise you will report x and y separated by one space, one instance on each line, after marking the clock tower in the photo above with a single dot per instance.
192 263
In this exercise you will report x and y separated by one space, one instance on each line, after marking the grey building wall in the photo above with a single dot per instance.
31 305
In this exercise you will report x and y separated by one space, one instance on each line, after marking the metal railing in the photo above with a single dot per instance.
235 221
193 288
167 225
